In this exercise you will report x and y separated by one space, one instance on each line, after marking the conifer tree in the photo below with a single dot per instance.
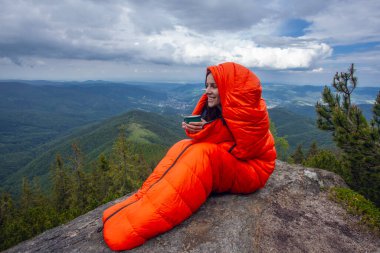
36 213
103 163
62 187
101 181
358 140
376 114
298 156
6 208
7 212
39 197
121 166
81 191
26 195
143 170
313 150
77 157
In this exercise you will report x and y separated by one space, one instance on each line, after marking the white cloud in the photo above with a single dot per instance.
346 22
318 70
170 34
59 31
183 46
367 63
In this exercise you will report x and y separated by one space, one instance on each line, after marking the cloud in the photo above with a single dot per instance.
346 22
291 35
183 46
318 70
199 15
67 29
129 32
367 63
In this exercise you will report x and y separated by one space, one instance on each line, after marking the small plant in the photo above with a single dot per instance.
356 204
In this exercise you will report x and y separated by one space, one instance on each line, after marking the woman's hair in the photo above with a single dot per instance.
211 113
207 73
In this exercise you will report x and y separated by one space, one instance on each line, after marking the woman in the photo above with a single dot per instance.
231 150
213 109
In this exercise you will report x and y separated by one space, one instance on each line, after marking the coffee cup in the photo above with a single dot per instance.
192 118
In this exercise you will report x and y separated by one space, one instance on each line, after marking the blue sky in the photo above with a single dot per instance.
283 41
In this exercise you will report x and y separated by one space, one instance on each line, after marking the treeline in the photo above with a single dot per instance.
73 191
313 156
331 160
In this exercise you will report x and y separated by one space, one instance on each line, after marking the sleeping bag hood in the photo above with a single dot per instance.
243 110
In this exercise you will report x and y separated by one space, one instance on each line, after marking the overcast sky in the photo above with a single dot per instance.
289 41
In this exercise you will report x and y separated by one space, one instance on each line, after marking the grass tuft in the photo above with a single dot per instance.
356 204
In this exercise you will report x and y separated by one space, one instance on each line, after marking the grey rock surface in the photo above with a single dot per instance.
291 214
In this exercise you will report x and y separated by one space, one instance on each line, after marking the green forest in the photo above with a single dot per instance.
72 190
151 131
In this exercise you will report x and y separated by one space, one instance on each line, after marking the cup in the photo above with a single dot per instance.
192 118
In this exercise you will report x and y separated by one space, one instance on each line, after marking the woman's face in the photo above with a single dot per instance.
212 91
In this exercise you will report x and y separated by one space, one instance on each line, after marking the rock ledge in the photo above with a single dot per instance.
291 214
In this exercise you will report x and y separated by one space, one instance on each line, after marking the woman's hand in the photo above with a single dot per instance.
194 127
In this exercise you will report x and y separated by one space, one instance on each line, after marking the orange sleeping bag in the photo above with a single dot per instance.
232 154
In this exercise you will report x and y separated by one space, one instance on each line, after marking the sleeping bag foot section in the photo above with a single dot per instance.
178 186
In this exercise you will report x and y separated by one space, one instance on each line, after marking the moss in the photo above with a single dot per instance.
356 204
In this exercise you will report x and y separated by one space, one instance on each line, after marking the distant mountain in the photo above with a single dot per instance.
308 95
309 111
31 115
299 129
150 133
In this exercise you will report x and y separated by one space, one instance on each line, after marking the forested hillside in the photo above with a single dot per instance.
150 133
34 115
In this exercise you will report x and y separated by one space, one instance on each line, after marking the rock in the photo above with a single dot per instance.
291 214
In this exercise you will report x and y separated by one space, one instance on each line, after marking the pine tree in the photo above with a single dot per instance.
143 170
376 114
26 200
30 215
104 165
298 155
313 150
36 213
39 197
101 181
6 208
358 140
62 188
121 166
7 211
81 191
